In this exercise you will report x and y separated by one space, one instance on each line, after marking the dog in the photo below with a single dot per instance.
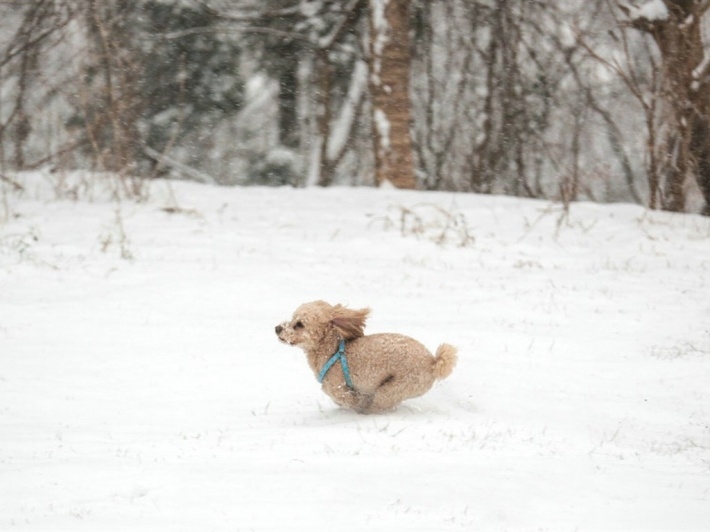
369 374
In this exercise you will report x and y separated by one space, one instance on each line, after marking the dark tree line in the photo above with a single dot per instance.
603 100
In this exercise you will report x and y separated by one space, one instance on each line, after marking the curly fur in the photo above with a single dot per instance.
386 369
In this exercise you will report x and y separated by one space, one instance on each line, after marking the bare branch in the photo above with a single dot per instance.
163 159
342 26
256 20
68 147
24 39
248 16
12 182
172 35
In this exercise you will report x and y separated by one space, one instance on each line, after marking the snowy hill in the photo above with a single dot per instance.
142 386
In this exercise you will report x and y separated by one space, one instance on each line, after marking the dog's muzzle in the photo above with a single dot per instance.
279 329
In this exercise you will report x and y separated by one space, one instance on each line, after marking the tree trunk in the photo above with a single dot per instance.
288 105
324 76
113 115
701 148
687 98
390 57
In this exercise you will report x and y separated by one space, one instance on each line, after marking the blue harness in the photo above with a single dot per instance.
339 355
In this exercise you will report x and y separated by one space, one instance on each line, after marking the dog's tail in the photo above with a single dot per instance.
444 361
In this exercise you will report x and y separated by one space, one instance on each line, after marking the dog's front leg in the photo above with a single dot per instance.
363 402
360 402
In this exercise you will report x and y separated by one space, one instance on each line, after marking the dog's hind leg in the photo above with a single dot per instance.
387 380
387 395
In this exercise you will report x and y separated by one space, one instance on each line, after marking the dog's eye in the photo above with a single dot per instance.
298 325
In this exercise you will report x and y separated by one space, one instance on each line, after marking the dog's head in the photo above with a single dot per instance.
318 321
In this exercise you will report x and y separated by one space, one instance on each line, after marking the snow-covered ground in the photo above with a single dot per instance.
142 386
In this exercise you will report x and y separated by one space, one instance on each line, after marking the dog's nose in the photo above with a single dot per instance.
278 329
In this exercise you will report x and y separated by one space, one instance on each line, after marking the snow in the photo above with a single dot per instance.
651 10
340 130
150 392
702 69
383 126
381 28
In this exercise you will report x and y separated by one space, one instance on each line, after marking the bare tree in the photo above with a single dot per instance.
40 25
489 80
112 104
473 95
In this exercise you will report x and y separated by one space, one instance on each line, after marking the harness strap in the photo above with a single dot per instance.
338 356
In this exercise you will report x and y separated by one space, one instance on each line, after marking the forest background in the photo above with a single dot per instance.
597 100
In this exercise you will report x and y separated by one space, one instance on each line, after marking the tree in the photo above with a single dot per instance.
111 102
330 34
34 30
190 82
675 26
498 99
491 97
390 58
312 50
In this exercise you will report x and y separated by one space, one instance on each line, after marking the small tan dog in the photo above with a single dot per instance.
371 373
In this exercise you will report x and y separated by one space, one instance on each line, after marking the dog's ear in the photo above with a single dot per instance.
349 323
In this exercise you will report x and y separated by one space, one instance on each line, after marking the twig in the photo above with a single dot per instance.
195 174
15 184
